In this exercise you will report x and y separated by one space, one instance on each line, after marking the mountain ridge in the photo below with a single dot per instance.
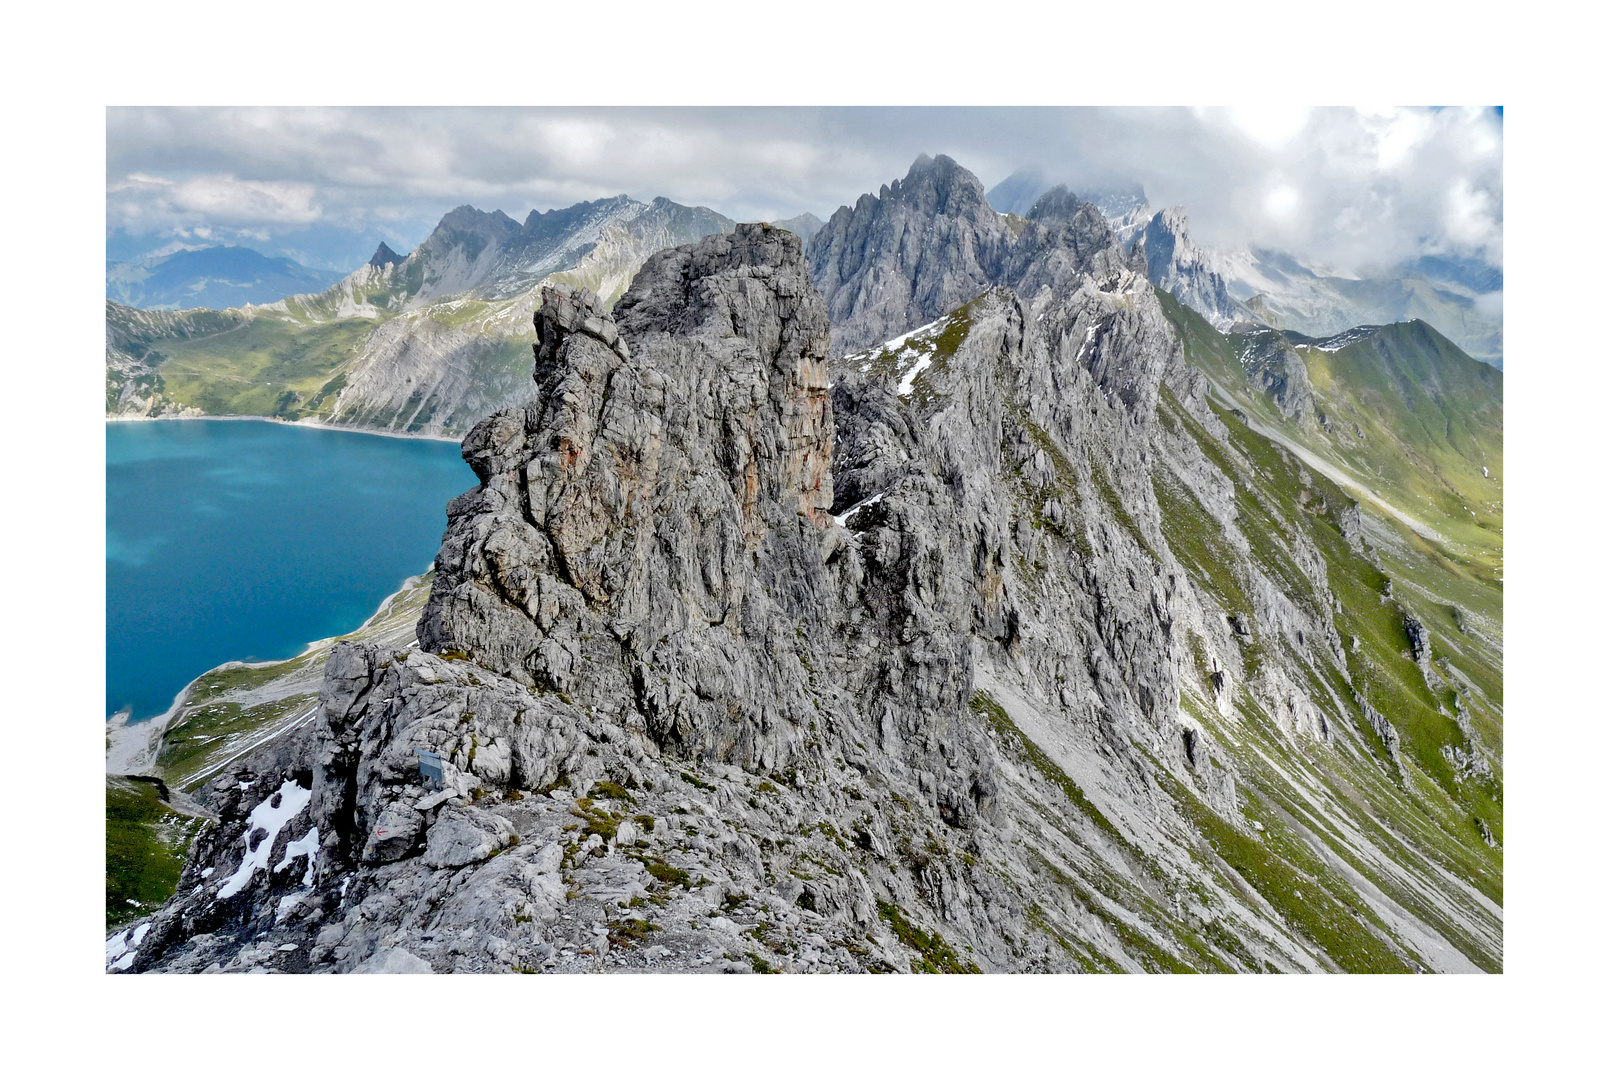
998 645
468 295
216 277
1461 296
461 305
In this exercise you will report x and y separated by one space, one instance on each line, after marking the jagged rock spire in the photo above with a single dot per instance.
383 256
614 541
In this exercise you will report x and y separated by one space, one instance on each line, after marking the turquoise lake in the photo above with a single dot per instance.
245 540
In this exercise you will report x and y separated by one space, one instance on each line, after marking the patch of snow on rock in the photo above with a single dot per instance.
270 818
908 382
845 516
308 846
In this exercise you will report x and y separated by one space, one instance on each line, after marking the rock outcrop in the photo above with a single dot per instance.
619 546
931 242
1276 369
919 248
1174 263
383 256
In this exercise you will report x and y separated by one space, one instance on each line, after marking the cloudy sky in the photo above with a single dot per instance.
1348 189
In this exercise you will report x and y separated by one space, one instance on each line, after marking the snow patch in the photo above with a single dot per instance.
116 945
1343 339
308 846
908 382
899 342
893 345
293 798
121 946
845 516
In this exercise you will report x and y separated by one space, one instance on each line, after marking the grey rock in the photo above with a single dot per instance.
1418 637
930 243
384 256
462 835
614 549
395 830
393 961
1173 262
1277 370
918 249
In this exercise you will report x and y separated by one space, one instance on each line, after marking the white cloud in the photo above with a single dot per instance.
234 201
142 202
1271 124
1402 133
1282 201
1472 218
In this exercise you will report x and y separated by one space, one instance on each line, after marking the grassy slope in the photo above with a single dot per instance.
1418 809
1430 418
1414 812
266 367
293 367
146 841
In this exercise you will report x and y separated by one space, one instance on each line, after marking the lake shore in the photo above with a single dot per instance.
240 540
131 745
288 423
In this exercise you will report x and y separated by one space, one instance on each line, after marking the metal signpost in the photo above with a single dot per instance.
430 767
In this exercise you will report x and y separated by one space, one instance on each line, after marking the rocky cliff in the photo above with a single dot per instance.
1175 263
931 242
917 249
997 646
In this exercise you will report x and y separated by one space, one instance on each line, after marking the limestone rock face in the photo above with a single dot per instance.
931 242
614 548
919 248
1064 237
467 835
1276 369
1180 267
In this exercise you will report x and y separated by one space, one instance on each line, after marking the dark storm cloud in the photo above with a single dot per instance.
1347 188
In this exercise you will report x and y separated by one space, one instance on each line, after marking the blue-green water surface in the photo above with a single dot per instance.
245 540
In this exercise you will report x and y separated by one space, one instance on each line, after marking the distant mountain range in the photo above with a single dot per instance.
1460 297
425 343
213 277
321 246
429 341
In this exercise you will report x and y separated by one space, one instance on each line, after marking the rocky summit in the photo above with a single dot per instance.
996 646
921 247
